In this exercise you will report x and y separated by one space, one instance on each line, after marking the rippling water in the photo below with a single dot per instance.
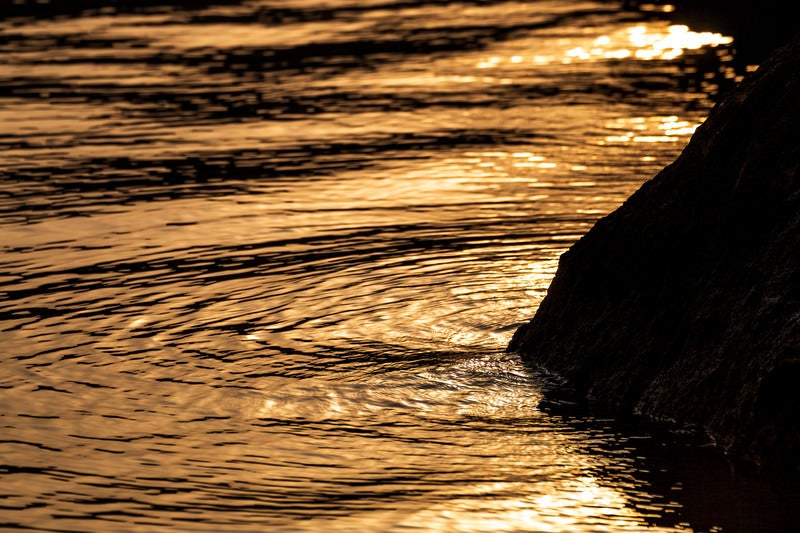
261 261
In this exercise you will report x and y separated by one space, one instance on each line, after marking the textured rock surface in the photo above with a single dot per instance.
684 304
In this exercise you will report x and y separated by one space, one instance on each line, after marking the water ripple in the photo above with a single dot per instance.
260 262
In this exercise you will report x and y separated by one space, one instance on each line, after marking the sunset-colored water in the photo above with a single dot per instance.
261 260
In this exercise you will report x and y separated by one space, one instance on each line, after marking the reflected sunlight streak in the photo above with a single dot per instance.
637 42
577 505
650 129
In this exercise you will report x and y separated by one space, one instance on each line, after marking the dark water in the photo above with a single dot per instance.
261 260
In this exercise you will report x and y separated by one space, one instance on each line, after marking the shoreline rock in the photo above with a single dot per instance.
684 303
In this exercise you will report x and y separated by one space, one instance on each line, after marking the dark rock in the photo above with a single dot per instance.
683 305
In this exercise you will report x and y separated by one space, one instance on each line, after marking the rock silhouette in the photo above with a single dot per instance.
683 305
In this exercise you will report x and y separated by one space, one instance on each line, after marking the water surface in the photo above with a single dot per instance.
261 260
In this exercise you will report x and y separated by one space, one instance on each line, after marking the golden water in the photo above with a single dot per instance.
261 259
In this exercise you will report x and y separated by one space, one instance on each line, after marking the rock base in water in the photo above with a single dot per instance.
684 304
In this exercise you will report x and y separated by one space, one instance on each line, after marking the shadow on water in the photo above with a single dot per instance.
684 480
687 482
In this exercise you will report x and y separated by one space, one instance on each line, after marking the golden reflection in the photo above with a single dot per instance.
649 129
581 504
643 42
672 44
494 159
554 487
656 8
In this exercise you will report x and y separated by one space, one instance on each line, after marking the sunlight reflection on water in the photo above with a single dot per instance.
261 260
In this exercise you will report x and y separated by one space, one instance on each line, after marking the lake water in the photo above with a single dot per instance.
261 260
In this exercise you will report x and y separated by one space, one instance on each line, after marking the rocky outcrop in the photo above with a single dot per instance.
684 303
